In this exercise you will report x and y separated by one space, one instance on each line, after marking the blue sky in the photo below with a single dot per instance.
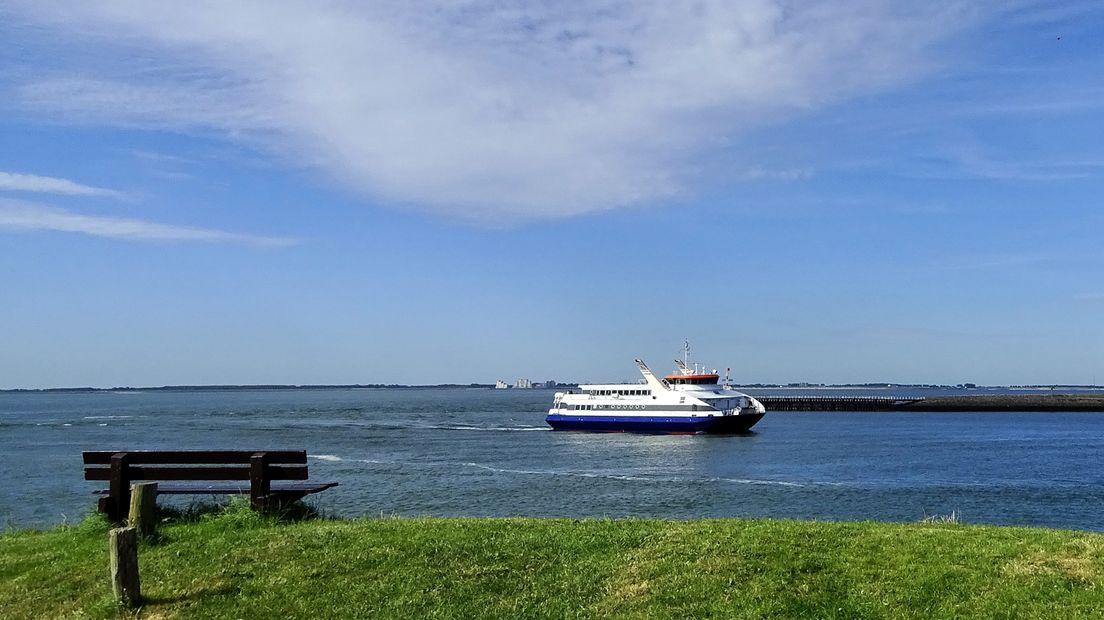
461 192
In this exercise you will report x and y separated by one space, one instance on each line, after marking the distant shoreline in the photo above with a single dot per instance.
490 386
250 388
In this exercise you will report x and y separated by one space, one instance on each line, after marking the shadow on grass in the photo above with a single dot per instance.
236 511
152 601
199 511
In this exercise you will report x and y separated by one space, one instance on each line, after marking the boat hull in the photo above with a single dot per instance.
681 425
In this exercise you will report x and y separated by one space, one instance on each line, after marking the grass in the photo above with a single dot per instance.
234 564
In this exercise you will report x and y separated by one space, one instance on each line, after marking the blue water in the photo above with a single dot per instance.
485 452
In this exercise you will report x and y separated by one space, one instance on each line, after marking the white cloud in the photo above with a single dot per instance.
15 181
486 109
19 216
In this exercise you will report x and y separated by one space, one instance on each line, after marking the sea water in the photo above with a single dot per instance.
479 452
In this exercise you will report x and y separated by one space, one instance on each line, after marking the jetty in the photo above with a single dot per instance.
978 402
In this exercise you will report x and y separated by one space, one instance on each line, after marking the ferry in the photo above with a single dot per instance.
689 401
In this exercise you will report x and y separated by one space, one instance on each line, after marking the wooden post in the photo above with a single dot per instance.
123 547
118 488
259 484
143 508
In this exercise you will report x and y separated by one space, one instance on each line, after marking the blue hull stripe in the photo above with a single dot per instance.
654 424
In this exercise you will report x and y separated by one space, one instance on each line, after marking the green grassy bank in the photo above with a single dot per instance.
238 565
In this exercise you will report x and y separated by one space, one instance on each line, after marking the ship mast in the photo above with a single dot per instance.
684 363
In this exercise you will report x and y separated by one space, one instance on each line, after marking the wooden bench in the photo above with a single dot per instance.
254 469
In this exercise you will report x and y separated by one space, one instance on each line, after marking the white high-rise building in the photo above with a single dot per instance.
523 384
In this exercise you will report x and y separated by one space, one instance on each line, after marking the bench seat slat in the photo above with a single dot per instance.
196 457
140 472
305 488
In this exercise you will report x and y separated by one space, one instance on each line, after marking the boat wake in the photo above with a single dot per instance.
630 477
333 458
489 428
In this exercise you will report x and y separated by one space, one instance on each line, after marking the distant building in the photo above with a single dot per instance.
523 384
500 385
550 384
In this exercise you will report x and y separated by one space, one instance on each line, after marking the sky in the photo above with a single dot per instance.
464 191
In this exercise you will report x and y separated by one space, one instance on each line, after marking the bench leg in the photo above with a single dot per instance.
259 484
118 489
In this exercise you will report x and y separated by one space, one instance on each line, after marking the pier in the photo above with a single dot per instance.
980 402
835 403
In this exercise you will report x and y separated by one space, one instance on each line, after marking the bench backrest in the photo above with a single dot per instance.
197 464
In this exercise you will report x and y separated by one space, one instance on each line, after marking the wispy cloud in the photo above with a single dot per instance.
757 173
14 181
19 216
973 163
1001 261
488 110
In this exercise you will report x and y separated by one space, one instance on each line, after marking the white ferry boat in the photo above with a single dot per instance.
689 401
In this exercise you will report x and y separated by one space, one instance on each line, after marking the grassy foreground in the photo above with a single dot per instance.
238 565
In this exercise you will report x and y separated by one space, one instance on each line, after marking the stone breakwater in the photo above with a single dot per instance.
979 402
1010 402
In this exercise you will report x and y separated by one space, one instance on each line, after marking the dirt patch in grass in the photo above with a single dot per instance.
1080 560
